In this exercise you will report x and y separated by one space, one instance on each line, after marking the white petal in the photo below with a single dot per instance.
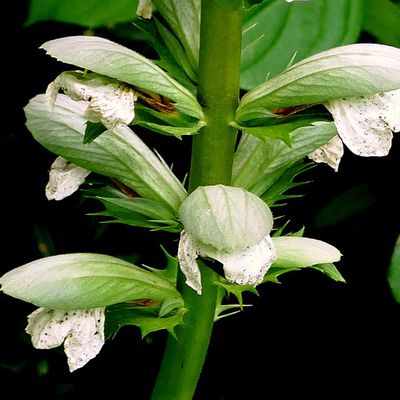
144 9
82 330
365 124
64 179
247 266
112 106
187 255
48 328
86 337
109 101
330 153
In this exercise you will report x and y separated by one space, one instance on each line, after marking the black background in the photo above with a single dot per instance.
308 336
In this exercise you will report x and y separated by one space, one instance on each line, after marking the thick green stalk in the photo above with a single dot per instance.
212 157
218 91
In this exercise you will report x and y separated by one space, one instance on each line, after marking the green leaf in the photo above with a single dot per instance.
139 212
329 270
275 32
176 50
274 272
285 182
394 271
90 13
117 154
348 71
170 272
279 129
299 252
177 131
84 280
258 164
343 206
92 131
111 59
381 19
236 289
167 60
183 18
145 318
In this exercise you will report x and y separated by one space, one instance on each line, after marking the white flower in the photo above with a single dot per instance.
109 101
229 225
82 332
364 124
64 179
291 1
144 9
330 153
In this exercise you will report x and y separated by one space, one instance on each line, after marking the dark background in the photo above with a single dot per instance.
308 336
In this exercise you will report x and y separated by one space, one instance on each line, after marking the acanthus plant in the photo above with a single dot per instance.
87 117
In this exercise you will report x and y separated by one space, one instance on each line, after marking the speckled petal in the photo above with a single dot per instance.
246 267
187 255
82 330
108 100
86 338
64 179
365 124
330 153
48 328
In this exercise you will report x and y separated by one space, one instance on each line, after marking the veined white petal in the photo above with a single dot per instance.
64 179
291 1
247 266
365 124
187 255
144 9
82 330
330 153
109 101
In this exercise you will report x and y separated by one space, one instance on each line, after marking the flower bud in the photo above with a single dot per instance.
225 218
229 225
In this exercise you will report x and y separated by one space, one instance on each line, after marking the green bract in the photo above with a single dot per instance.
225 218
348 71
84 280
119 153
298 252
111 59
183 17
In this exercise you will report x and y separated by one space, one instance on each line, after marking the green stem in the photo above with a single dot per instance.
218 91
212 158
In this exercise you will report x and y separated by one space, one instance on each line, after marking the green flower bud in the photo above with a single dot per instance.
225 218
